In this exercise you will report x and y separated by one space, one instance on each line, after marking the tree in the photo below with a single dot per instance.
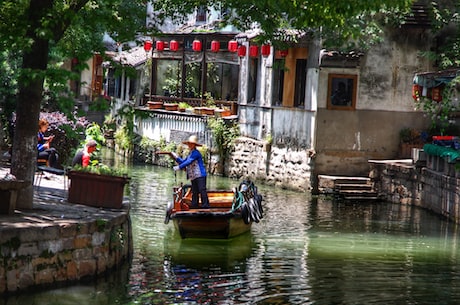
337 21
31 29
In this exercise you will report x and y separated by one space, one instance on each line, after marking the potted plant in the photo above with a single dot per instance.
183 106
97 185
210 105
409 138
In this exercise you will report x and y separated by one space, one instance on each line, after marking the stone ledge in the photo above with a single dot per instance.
57 242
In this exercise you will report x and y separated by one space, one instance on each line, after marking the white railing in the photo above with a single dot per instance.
172 127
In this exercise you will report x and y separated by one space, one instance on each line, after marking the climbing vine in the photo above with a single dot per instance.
224 134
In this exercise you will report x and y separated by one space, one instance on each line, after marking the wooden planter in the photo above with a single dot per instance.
155 105
171 107
207 111
222 112
198 110
96 190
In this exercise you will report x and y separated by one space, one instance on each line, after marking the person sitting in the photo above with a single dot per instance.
45 151
83 156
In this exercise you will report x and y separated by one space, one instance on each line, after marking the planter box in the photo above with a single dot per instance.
171 107
198 110
96 190
155 105
222 112
207 111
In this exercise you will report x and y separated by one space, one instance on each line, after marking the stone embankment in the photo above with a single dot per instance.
270 164
59 242
432 184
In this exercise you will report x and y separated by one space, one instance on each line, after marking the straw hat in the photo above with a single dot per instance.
192 140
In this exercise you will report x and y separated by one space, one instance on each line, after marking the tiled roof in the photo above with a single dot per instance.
133 57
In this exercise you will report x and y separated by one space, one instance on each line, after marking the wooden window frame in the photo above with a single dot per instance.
333 80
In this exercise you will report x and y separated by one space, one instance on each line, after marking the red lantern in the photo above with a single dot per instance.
215 46
196 45
160 45
253 51
242 51
265 50
436 94
173 45
284 53
147 45
416 91
232 46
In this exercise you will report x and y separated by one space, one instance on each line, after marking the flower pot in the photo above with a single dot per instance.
96 190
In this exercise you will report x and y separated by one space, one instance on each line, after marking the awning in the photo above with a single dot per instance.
435 79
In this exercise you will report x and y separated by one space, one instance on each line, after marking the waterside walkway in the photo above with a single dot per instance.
59 242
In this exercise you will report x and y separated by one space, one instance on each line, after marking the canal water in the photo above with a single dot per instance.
304 251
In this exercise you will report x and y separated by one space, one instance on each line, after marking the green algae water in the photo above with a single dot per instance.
304 251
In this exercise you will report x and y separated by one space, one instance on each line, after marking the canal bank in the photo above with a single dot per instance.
428 180
58 242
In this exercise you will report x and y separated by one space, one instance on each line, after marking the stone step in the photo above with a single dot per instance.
327 183
348 188
357 195
354 186
358 192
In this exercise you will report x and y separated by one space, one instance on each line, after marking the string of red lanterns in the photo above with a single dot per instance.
232 46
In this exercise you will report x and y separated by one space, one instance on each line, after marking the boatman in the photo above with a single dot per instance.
196 171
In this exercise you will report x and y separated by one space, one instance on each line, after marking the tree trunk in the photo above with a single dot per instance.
35 59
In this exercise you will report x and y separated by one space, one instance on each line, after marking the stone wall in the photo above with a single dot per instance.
50 252
282 167
434 187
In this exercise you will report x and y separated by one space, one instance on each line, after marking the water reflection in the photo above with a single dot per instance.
305 251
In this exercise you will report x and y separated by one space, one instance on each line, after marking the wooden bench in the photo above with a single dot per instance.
8 195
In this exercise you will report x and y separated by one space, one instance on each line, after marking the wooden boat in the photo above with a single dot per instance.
231 212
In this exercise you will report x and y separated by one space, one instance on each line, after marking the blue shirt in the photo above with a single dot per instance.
41 142
194 165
